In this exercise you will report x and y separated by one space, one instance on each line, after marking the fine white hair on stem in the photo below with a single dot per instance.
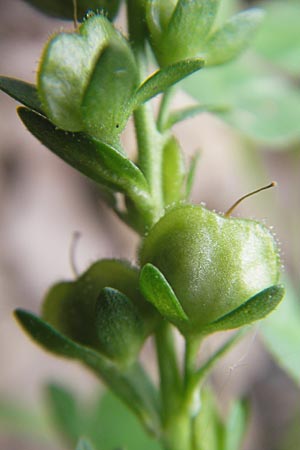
241 361
75 14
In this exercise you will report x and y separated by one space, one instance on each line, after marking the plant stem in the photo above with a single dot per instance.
191 399
150 141
170 382
178 428
150 146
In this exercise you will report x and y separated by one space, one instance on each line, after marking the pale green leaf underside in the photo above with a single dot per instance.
279 36
260 104
157 291
229 40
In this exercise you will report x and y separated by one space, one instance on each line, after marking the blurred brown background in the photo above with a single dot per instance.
42 203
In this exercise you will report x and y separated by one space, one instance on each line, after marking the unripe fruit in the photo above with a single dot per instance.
212 262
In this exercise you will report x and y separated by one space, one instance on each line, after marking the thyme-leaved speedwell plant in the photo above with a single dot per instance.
199 271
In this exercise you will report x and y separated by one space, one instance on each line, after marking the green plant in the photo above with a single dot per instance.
200 271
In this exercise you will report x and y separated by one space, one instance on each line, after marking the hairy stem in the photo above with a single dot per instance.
150 142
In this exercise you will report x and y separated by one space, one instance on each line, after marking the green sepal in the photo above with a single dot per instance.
120 329
190 23
173 172
233 37
65 9
105 105
191 174
164 78
157 291
70 306
256 308
137 396
23 92
84 444
158 15
95 159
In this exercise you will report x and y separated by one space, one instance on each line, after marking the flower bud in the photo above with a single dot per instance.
180 29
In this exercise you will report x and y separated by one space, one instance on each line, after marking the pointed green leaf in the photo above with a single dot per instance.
123 384
119 327
191 111
23 92
236 425
173 172
115 428
157 291
114 79
55 342
65 9
164 78
229 41
281 333
209 428
92 157
84 444
64 412
256 308
191 174
19 419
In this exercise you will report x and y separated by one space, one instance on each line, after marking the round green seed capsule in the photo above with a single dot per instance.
214 263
